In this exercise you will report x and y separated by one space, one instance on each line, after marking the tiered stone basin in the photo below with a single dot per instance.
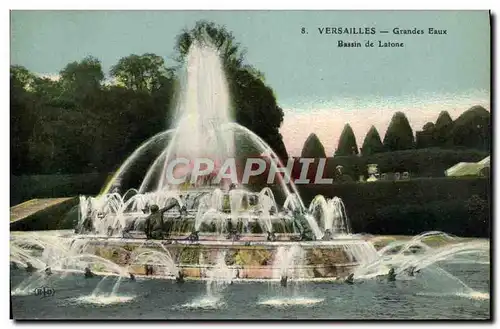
251 255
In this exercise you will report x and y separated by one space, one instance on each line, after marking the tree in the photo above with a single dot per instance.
50 92
372 143
425 137
145 72
82 77
347 142
22 121
21 77
78 124
256 109
428 126
472 129
399 135
313 148
443 127
435 135
254 102
443 120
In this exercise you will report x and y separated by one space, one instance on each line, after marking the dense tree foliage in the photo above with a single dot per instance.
313 148
435 135
372 143
442 129
83 122
428 126
443 126
399 135
79 124
146 72
347 142
81 82
472 129
458 206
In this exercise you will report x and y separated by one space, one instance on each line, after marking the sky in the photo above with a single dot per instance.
320 86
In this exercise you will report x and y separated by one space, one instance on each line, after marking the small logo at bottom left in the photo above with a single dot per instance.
44 292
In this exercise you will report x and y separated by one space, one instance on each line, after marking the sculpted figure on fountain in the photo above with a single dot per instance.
411 271
88 273
349 279
180 277
194 236
391 276
271 236
148 269
229 228
88 224
284 281
239 226
233 235
30 268
328 235
302 226
155 226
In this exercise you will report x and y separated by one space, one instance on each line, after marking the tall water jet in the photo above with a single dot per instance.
154 257
331 214
219 276
203 109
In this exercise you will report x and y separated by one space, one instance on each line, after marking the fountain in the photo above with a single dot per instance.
53 259
208 215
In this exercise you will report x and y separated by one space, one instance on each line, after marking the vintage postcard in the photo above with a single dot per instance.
242 165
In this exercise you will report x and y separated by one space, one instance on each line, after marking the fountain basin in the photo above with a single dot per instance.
254 258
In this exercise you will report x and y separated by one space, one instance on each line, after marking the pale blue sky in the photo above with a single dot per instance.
300 68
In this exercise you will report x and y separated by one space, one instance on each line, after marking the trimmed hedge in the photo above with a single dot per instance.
431 162
448 216
459 206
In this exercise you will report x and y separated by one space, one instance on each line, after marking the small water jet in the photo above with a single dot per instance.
287 302
288 262
162 260
408 257
219 276
331 214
